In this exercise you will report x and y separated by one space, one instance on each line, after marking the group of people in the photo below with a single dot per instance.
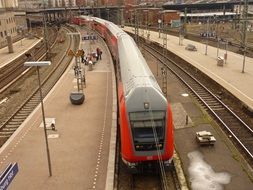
92 57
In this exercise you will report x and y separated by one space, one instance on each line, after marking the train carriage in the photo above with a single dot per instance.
146 127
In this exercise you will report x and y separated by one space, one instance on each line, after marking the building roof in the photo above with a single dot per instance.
207 14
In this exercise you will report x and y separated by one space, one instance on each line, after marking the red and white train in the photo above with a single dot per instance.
146 127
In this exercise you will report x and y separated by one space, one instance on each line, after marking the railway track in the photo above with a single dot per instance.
156 180
8 127
236 128
11 71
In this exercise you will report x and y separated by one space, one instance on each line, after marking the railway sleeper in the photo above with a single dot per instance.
24 113
211 100
229 118
215 106
31 103
5 136
27 109
6 129
6 132
226 113
34 101
14 122
203 94
20 116
17 119
11 126
196 87
218 109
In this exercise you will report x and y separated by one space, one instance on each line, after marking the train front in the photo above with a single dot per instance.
147 131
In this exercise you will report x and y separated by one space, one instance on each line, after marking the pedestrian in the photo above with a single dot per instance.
100 54
82 55
76 70
85 60
96 55
98 50
53 124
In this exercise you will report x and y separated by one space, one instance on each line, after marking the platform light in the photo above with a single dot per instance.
146 105
185 95
39 64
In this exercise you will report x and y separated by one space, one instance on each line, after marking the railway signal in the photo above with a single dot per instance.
78 97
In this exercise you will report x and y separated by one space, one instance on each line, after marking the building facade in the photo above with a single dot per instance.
31 4
7 26
8 3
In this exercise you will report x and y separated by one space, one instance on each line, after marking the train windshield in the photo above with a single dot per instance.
147 129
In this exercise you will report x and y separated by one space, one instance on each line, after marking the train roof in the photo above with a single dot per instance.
115 30
134 69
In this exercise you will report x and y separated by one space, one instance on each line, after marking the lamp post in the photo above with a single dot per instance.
146 21
159 25
39 64
108 14
45 31
207 34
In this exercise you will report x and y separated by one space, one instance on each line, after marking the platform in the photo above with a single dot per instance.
20 47
83 143
229 76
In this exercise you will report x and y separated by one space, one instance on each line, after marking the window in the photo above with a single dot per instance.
147 129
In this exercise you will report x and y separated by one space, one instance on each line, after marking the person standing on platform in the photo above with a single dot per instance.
99 53
82 55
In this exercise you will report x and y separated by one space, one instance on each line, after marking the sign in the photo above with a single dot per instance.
207 34
80 53
89 37
8 175
175 23
71 53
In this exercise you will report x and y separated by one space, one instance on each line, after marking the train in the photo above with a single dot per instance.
145 116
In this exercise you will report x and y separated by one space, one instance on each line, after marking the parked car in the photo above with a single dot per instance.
205 138
191 47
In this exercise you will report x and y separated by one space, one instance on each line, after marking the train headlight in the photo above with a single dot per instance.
146 105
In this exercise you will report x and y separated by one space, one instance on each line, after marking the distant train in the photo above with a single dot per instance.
146 127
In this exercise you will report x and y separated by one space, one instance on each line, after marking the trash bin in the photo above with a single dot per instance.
90 65
220 61
77 98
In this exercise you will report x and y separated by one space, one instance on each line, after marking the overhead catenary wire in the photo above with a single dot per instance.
159 154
